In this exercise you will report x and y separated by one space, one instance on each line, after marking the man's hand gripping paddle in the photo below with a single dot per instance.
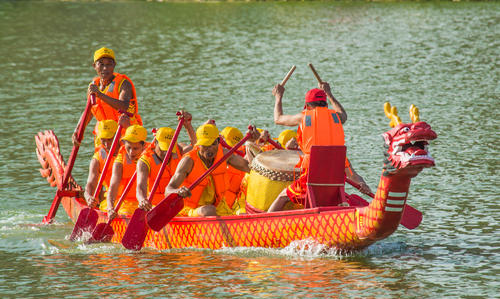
171 205
410 219
136 231
88 217
71 162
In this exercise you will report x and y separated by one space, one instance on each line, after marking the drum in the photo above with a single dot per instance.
271 172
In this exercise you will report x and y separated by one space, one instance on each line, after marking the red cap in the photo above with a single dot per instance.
315 95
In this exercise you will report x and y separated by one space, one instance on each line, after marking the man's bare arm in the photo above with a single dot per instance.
279 117
183 170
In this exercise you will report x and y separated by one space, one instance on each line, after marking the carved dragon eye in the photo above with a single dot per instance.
405 129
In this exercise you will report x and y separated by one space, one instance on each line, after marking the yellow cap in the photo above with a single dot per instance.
260 130
206 134
232 135
104 52
285 136
164 137
107 129
135 133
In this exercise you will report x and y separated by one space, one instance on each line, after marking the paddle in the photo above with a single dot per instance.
170 206
103 232
71 162
224 144
410 219
137 229
88 217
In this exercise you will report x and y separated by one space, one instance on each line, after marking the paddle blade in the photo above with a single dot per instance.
102 233
85 223
167 209
136 231
411 217
355 200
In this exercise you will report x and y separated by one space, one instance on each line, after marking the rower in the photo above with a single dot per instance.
114 92
209 197
318 125
106 132
124 166
150 162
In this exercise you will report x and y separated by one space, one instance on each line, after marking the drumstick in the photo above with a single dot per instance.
319 80
315 73
288 75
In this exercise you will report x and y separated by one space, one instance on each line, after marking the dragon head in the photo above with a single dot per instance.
406 144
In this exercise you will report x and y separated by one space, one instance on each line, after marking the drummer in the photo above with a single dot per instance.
208 198
318 125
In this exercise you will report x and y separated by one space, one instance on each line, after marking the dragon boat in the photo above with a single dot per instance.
345 228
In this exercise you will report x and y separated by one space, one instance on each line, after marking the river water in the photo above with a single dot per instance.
220 60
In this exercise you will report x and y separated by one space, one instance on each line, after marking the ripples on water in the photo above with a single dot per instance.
220 60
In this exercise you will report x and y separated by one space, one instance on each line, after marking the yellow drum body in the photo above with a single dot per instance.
271 172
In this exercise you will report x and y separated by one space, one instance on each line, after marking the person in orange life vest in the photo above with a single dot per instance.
134 143
150 162
113 92
318 125
234 176
288 140
107 130
207 199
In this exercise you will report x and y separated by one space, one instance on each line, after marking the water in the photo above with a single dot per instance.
221 60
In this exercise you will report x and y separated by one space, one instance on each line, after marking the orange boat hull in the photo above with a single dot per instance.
333 226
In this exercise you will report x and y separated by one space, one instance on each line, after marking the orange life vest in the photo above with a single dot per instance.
233 184
103 111
100 155
154 164
216 178
129 167
319 126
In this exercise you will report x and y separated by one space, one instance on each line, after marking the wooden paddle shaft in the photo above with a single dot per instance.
357 186
71 162
288 75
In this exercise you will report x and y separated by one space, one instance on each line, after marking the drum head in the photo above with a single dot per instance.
277 164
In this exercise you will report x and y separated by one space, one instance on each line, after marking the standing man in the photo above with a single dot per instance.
113 91
318 125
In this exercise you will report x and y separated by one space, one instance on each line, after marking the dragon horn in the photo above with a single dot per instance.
392 114
414 115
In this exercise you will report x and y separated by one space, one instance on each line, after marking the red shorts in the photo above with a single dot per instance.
298 189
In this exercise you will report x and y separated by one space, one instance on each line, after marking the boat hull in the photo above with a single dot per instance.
334 227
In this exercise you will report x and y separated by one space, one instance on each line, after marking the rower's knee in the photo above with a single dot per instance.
280 202
208 210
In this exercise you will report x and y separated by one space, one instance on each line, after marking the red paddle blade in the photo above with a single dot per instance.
85 223
167 209
136 231
356 201
411 217
102 233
